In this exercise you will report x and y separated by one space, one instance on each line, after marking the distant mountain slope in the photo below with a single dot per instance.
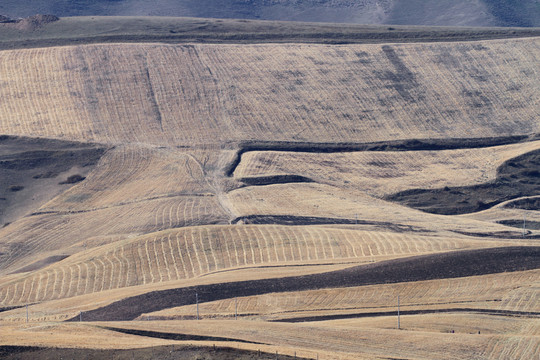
411 12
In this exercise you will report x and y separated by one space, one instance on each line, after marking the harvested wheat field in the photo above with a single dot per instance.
172 197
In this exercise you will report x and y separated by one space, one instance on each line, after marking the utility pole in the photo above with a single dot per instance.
235 308
398 319
197 301
356 219
523 225
26 313
80 316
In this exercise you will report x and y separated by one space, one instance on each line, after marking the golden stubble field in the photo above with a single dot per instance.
222 166
353 93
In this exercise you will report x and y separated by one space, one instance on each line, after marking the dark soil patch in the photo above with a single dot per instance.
439 266
397 145
275 179
30 23
529 225
517 177
29 166
525 204
170 352
410 312
73 179
500 234
175 336
314 220
2 309
41 263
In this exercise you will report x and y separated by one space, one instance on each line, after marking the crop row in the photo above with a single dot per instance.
127 174
57 232
495 291
191 252
200 94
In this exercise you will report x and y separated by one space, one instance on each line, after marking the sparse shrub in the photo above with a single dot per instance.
15 188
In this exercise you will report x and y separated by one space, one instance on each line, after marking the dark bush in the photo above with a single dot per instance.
73 179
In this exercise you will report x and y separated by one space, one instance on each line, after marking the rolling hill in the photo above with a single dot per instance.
300 182
406 12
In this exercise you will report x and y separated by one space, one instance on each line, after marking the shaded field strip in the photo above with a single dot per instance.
396 145
514 235
453 264
40 263
532 203
519 223
311 36
12 350
170 352
410 312
2 309
274 179
516 178
176 336
316 220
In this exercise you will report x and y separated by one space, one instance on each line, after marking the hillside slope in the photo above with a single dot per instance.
279 177
425 12
231 93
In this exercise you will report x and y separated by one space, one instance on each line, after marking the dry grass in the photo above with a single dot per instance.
133 190
32 238
517 292
348 342
66 308
325 201
72 335
129 174
422 337
192 252
506 211
155 212
355 93
381 173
